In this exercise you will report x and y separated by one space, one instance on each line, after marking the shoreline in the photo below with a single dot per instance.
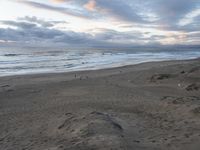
22 64
152 105
96 70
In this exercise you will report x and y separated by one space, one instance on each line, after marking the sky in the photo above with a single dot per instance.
99 23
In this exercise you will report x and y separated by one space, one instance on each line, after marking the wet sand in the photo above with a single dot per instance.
150 106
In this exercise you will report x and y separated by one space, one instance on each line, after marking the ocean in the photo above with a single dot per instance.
18 61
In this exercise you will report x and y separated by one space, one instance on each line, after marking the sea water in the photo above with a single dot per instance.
17 61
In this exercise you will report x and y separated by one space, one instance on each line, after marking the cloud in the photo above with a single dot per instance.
28 22
40 34
173 10
41 22
32 32
26 32
61 1
121 10
167 21
165 14
162 13
112 9
118 37
90 5
37 32
21 25
63 10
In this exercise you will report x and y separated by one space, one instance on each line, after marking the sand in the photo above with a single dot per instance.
150 106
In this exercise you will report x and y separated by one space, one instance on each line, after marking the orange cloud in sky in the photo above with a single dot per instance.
90 5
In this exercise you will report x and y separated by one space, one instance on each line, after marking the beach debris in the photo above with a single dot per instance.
181 85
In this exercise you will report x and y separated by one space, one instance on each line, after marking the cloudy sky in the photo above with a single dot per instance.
100 23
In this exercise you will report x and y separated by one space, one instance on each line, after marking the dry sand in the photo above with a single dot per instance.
150 106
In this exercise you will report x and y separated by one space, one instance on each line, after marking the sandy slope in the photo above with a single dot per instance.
151 106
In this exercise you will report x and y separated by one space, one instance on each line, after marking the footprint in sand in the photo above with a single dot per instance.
181 100
193 87
195 69
95 129
196 111
158 77
7 88
4 86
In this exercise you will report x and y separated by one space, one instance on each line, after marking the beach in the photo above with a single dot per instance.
148 106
